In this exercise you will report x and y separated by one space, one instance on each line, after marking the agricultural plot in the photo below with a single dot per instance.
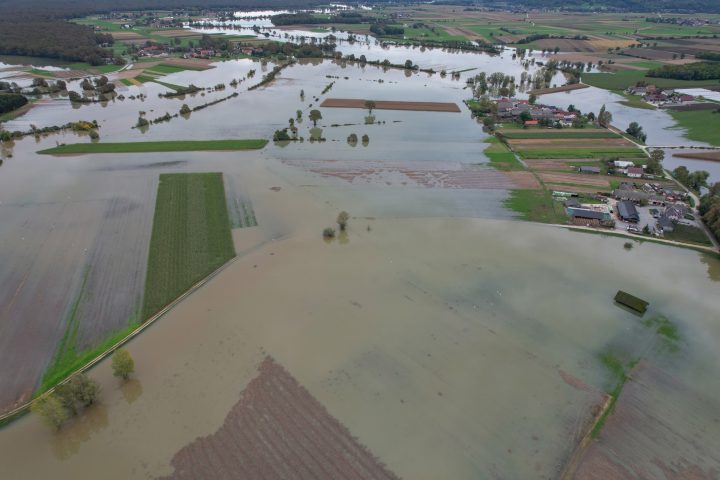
73 273
240 207
646 434
167 146
190 237
278 430
549 146
391 105
701 125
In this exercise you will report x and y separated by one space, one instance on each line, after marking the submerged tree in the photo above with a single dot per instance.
342 220
51 410
185 110
122 364
315 115
370 105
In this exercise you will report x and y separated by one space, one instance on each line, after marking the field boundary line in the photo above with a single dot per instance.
101 356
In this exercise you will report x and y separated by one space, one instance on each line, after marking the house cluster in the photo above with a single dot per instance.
656 96
512 108
667 219
649 193
629 168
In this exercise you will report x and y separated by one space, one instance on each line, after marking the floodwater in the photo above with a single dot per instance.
451 340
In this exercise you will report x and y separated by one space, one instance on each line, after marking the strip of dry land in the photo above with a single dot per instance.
392 105
709 156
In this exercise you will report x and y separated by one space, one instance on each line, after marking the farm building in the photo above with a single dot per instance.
675 212
627 212
635 172
587 213
623 163
664 224
591 170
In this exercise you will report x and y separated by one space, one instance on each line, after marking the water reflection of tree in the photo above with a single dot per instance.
131 390
713 265
79 430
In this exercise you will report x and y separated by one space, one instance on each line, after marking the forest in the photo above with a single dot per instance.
309 18
11 101
690 71
52 38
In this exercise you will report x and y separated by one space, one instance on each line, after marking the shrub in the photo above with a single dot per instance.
329 232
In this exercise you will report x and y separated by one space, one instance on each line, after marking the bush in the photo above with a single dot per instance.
329 232
122 364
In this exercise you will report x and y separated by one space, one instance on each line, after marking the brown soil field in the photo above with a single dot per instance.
278 430
391 105
651 53
418 174
645 436
127 36
572 188
566 45
564 88
558 143
713 156
578 179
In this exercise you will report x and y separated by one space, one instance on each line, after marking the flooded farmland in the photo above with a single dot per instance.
449 340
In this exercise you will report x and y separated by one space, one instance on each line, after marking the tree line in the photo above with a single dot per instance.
690 71
53 38
11 101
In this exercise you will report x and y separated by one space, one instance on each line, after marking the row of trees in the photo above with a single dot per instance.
11 101
78 393
689 71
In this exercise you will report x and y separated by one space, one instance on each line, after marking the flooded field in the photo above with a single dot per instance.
437 338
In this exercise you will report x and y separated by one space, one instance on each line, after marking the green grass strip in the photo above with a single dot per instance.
150 147
557 133
190 238
536 206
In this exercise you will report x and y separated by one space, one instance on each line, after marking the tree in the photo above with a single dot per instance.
185 110
342 220
697 180
532 99
315 115
352 139
122 364
604 117
409 65
681 174
50 410
365 140
525 116
370 105
281 135
298 114
74 96
79 389
654 165
329 232
635 130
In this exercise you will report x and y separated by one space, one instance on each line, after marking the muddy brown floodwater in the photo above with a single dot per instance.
447 339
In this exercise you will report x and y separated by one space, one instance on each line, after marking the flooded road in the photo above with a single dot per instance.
450 340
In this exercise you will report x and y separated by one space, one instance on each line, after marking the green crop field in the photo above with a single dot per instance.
190 238
629 78
701 125
686 233
581 153
500 156
536 206
555 133
167 146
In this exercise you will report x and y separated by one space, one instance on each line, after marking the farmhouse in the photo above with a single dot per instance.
627 212
664 224
634 172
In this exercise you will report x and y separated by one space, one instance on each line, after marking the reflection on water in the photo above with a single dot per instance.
68 440
713 264
131 389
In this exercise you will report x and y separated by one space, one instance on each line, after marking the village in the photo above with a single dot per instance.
597 176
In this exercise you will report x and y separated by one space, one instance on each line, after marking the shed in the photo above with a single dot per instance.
631 301
592 170
627 212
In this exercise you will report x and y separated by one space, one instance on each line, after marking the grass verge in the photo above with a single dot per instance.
536 206
500 156
149 147
190 239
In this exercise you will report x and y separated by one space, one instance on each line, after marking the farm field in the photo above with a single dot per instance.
297 434
391 105
383 352
701 125
166 146
190 236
